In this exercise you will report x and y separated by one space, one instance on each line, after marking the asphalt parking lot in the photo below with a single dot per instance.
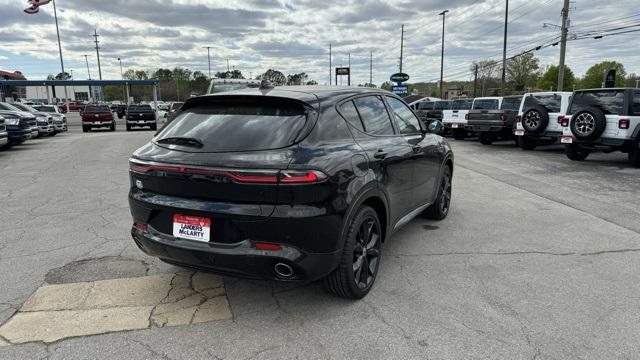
538 259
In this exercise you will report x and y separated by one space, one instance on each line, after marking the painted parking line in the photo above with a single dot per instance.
56 312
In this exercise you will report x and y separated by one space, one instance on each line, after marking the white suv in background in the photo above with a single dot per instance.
455 118
539 117
603 119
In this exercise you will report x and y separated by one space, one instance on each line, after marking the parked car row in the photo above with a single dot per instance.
584 121
20 122
95 116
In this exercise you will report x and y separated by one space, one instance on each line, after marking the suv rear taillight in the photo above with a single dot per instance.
518 118
503 117
623 123
237 176
466 116
563 121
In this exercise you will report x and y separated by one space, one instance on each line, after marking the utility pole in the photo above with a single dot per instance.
86 58
504 49
371 68
444 15
228 66
475 81
330 65
209 59
349 77
563 44
401 46
124 91
95 35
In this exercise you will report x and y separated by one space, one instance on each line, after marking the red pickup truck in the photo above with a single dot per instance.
97 116
73 106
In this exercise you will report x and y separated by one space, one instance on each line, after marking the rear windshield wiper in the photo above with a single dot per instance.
184 141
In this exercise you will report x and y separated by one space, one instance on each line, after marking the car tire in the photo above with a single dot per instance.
575 153
459 134
535 119
588 124
113 127
128 127
441 206
486 138
85 129
154 127
634 153
362 250
526 142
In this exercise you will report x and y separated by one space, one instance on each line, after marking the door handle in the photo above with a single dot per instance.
416 148
380 154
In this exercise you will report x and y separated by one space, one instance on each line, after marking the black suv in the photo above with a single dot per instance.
288 183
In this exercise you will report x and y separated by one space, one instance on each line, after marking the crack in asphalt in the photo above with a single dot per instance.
156 354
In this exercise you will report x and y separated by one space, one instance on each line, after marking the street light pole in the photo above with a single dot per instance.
124 91
209 59
86 58
55 14
444 14
504 50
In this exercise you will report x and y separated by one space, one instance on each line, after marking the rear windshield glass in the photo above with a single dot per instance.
176 106
610 102
550 102
96 109
50 109
486 104
442 105
237 125
219 88
511 103
425 105
461 104
140 108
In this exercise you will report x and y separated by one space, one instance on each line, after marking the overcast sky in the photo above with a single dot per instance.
294 35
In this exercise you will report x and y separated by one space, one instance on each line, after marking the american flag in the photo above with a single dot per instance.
34 5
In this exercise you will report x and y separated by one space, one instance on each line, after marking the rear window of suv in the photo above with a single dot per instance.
239 125
140 108
442 105
550 102
461 104
610 102
486 104
511 103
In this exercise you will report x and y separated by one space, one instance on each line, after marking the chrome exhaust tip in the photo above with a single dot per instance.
283 270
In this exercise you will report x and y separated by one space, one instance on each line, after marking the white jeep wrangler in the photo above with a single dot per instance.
455 120
603 119
539 117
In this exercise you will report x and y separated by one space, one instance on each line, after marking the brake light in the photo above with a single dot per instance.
140 226
518 118
563 121
268 246
466 116
238 176
623 124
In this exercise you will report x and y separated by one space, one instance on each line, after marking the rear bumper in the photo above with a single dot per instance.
310 239
487 126
141 122
606 142
98 124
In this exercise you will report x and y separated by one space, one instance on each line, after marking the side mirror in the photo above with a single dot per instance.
435 127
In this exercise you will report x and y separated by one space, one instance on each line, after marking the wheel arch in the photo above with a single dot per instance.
372 197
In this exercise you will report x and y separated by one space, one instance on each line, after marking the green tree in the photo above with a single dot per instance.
235 74
312 82
549 80
523 70
387 85
276 77
595 75
297 79
200 83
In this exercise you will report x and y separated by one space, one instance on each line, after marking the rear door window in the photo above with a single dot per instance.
374 115
610 102
238 125
636 103
486 104
550 102
406 121
350 113
461 104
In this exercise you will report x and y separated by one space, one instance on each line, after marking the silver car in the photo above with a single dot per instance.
59 119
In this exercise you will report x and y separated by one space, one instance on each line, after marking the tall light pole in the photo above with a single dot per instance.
86 58
55 14
209 59
563 44
401 46
504 50
95 35
444 15
124 91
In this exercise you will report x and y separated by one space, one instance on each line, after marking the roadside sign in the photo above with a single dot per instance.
343 71
399 77
400 90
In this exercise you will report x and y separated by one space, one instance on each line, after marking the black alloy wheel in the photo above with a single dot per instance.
357 271
440 208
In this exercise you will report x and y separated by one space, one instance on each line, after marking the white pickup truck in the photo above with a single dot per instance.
455 120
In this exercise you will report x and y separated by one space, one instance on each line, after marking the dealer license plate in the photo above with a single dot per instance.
191 227
455 126
566 139
519 132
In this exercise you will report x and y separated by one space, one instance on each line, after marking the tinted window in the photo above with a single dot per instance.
550 102
636 103
442 105
610 102
140 108
96 109
486 104
425 105
511 103
239 125
350 113
461 104
405 120
374 115
4 106
50 109
176 106
24 107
